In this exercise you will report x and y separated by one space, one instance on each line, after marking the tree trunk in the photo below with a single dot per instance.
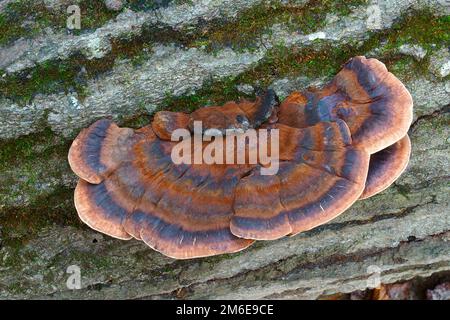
133 57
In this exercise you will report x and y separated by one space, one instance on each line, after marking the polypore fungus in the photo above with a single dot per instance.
376 107
338 144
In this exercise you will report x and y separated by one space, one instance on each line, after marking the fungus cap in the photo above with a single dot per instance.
343 142
373 103
386 166
187 211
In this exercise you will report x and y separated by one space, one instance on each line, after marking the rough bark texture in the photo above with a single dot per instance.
131 60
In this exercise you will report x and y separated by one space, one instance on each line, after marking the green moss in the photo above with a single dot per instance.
27 164
64 76
28 148
324 60
73 73
95 14
422 28
67 75
141 55
23 18
137 121
256 21
46 78
418 28
321 60
8 31
212 93
89 263
406 67
18 225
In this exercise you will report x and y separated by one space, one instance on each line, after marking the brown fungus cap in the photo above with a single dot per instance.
180 210
321 174
374 104
386 166
166 122
130 187
232 116
99 150
187 211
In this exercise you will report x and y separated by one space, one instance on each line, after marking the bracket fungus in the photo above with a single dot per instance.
343 142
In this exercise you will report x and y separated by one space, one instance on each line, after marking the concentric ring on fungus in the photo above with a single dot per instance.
340 143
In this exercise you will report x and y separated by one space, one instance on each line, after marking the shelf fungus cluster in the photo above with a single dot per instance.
337 144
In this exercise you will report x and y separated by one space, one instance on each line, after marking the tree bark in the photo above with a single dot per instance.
54 83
